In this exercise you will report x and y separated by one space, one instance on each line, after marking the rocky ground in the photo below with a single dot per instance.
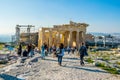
37 69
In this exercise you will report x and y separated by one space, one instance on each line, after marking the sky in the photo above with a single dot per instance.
101 15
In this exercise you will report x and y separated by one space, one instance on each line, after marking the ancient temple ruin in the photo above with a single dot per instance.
71 34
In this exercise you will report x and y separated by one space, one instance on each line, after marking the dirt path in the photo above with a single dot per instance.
48 69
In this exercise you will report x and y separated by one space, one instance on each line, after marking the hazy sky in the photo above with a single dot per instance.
101 15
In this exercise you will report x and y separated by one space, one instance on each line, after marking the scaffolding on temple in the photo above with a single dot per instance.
26 34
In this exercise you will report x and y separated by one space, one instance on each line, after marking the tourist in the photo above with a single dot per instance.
19 50
29 46
43 51
60 53
25 53
54 51
83 52
68 49
46 49
31 53
50 49
73 50
36 50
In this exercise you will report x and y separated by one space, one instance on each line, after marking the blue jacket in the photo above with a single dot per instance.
62 53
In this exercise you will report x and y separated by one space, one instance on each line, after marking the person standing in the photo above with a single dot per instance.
43 51
25 53
83 52
20 50
31 53
29 46
60 54
68 49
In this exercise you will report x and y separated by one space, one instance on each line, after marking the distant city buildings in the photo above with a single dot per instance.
103 40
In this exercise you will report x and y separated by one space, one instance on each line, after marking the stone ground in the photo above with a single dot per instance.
48 69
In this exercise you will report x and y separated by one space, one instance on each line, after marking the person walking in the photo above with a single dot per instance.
60 54
83 52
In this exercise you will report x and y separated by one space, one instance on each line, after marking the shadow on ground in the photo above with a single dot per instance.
8 77
86 69
57 60
71 58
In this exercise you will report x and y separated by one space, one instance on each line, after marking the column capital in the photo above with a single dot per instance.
77 39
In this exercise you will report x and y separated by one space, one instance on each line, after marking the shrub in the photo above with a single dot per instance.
111 70
1 46
98 64
89 60
107 68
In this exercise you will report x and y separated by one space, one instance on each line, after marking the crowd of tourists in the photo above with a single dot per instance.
57 51
27 52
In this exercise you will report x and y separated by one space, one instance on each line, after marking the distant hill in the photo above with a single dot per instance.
5 38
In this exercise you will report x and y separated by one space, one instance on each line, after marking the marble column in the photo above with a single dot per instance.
83 37
65 38
77 39
43 36
58 40
50 38
70 41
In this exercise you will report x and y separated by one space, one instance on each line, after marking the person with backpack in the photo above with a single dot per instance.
83 52
60 54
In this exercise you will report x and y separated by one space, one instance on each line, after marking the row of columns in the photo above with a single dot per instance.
79 37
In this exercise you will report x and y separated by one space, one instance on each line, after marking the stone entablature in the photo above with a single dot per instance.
71 25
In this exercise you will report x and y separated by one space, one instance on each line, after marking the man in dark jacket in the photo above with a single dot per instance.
19 50
83 52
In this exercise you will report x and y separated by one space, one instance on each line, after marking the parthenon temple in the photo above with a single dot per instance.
71 34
